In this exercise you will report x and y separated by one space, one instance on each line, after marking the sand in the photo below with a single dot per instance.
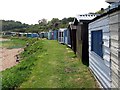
2 39
8 57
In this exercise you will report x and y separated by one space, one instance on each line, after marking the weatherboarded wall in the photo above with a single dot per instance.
101 65
82 41
79 41
107 66
115 48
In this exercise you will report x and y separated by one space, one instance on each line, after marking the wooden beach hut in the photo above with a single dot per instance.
46 35
41 34
72 29
68 37
50 35
65 36
104 47
61 35
35 35
29 35
55 35
82 36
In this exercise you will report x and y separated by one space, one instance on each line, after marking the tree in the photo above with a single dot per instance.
12 25
54 24
100 11
43 21
43 25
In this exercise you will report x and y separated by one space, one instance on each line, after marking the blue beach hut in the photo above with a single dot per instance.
35 35
29 35
45 34
55 34
49 35
61 35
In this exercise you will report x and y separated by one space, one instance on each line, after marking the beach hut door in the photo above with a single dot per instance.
96 42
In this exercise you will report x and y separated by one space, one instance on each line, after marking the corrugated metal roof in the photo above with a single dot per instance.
71 23
62 29
86 16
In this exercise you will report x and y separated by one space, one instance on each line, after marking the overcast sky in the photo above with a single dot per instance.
30 11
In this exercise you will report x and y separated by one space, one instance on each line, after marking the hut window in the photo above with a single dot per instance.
62 34
59 34
96 42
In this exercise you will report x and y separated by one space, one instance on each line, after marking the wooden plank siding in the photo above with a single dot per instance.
115 48
101 66
73 29
82 41
79 41
107 68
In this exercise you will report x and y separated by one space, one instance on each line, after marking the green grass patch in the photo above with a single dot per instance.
13 43
48 64
13 77
59 67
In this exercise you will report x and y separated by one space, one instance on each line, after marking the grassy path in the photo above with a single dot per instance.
58 67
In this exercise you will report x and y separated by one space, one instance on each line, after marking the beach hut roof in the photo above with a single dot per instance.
29 33
21 33
112 1
25 33
86 16
62 29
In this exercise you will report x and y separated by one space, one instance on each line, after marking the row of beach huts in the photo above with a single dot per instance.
95 39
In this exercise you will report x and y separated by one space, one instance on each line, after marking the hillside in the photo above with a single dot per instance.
43 25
